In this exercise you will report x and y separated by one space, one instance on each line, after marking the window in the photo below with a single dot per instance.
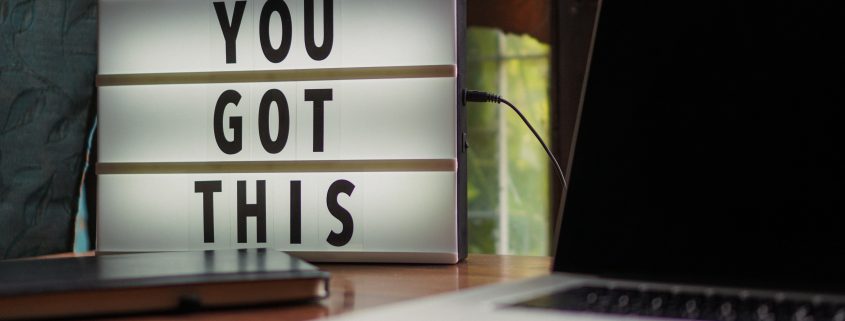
509 173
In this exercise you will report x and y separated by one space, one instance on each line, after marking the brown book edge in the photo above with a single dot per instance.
160 298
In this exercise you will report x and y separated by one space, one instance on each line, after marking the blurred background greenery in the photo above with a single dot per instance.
508 188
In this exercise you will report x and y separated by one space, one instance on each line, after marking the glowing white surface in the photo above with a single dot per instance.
392 212
152 36
367 119
398 216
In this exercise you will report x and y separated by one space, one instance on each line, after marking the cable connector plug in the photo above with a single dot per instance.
480 97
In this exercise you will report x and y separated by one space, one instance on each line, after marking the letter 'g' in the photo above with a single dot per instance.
228 146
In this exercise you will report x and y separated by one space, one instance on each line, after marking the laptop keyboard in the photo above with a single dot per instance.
664 304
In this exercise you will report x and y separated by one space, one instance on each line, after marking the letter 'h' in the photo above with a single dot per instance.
258 210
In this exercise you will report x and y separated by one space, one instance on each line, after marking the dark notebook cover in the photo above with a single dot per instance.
120 283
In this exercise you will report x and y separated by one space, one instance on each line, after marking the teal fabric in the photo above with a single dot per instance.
47 69
81 241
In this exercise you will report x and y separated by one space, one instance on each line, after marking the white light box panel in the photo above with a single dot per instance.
328 129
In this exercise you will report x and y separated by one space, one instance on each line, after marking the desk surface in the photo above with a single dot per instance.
361 286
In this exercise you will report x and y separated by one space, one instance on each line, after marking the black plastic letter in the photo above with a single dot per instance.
230 30
233 146
295 212
258 210
270 145
274 55
318 96
340 213
207 188
319 53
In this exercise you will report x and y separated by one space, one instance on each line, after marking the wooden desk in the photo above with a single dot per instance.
361 286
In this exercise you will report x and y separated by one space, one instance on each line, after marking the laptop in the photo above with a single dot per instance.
708 173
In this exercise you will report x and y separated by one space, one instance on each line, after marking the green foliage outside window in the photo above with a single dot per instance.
508 175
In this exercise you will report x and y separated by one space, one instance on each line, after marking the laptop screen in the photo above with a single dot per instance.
711 145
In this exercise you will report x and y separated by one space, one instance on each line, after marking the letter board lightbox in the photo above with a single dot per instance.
328 129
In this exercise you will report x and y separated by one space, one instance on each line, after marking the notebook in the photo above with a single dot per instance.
124 283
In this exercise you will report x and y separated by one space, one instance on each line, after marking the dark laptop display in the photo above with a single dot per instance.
711 146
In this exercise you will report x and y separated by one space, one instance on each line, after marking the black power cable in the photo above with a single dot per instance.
483 97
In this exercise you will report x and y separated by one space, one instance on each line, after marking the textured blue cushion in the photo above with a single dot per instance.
48 61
